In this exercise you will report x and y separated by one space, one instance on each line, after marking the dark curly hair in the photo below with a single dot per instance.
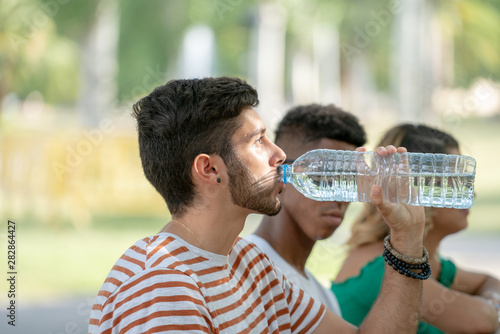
185 118
313 122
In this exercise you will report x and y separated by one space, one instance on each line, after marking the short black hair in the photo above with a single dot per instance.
185 118
314 121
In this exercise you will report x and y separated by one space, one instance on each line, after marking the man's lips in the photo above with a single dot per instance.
335 213
335 216
281 186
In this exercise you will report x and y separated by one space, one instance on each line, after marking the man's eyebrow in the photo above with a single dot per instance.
255 133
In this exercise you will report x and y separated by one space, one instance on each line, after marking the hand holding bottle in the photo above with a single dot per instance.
405 221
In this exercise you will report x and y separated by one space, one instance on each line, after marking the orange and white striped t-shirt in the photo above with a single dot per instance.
164 284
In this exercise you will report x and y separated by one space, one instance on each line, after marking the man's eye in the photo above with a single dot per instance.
259 141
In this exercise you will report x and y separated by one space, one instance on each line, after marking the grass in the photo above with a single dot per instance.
56 262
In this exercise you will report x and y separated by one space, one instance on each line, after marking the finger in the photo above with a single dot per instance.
377 199
361 149
376 195
382 151
402 149
391 149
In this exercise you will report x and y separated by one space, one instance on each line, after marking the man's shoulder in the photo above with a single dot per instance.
260 244
250 260
157 251
265 247
247 250
146 277
166 251
151 257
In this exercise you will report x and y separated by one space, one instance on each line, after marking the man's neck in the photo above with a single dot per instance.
212 230
287 240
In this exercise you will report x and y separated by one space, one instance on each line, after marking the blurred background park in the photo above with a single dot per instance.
70 174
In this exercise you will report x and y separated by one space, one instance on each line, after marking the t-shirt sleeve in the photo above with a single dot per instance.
157 300
305 312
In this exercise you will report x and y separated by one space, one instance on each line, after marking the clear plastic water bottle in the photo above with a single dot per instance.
425 179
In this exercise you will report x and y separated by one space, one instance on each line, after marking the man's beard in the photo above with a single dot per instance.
256 195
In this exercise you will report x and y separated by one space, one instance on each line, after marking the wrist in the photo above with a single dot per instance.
418 268
409 244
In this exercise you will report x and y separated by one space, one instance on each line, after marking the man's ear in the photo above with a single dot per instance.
207 168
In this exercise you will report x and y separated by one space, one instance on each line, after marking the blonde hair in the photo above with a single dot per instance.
370 227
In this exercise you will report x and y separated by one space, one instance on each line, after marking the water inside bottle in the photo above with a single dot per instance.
437 190
443 190
436 180
327 186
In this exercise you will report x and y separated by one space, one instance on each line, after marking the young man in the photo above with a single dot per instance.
204 148
288 237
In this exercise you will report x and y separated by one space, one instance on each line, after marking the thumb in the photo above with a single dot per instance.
377 199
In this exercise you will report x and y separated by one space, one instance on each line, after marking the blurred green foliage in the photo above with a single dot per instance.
41 42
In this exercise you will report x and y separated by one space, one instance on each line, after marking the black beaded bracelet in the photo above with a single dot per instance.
404 264
404 268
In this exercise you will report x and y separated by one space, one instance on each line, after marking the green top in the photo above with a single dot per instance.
357 294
